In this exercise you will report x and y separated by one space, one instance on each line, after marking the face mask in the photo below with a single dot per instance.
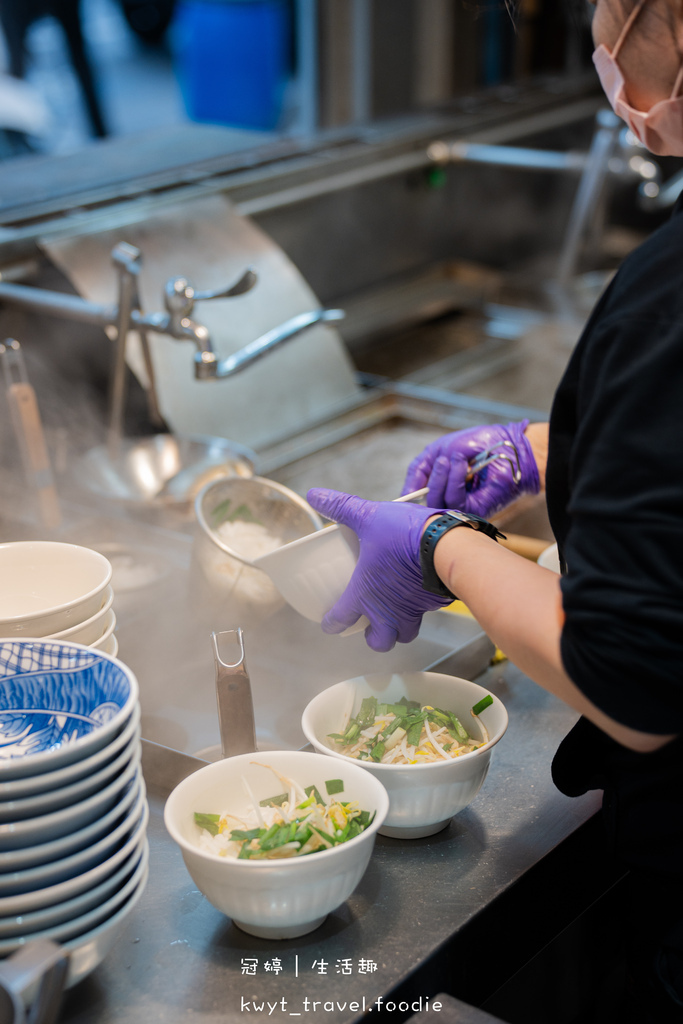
661 128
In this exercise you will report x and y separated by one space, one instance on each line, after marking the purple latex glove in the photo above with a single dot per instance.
444 464
386 585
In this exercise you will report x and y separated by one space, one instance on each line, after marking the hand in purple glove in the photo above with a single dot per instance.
445 464
386 585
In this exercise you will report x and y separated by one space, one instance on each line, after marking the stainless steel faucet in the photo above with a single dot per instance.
176 321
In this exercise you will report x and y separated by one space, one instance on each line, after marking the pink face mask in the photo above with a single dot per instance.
661 128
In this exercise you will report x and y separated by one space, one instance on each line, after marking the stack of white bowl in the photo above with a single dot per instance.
73 810
57 591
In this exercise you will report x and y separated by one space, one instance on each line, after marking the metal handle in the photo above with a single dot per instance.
180 296
208 367
245 284
233 697
35 976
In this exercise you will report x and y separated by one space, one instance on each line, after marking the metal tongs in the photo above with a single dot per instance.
233 696
492 454
478 463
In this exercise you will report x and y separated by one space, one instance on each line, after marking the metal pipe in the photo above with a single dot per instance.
126 259
208 367
60 304
653 196
73 307
588 192
516 156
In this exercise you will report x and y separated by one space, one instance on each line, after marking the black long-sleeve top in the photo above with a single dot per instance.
615 500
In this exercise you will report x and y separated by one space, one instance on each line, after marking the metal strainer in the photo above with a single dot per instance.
241 519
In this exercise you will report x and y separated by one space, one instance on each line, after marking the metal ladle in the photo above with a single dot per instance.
233 697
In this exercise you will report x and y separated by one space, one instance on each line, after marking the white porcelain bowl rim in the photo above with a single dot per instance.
64 634
83 921
135 824
14 620
73 842
103 773
109 627
136 810
29 826
292 863
85 955
21 767
312 736
30 785
11 925
109 646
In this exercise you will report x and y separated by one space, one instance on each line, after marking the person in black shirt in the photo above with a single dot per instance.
606 636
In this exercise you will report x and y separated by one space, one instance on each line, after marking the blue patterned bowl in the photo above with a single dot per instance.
59 702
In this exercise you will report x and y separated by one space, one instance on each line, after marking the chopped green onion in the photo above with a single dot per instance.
368 710
483 703
243 513
208 822
240 834
313 791
274 801
413 734
459 729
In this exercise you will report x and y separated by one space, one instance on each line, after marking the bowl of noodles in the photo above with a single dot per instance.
276 840
428 737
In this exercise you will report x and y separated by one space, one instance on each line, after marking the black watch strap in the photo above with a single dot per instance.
433 534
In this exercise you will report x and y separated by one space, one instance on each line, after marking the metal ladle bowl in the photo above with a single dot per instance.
162 470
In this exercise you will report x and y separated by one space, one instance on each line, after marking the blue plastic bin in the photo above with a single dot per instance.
233 60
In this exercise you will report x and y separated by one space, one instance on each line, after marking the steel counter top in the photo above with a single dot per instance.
179 959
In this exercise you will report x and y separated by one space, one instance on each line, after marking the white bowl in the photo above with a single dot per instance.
18 835
110 646
68 871
90 630
48 852
16 789
28 921
77 925
47 586
550 558
279 899
87 951
24 902
102 642
56 799
59 702
313 572
422 797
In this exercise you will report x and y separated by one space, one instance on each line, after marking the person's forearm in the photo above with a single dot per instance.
537 436
519 605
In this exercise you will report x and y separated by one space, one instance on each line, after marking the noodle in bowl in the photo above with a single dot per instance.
423 796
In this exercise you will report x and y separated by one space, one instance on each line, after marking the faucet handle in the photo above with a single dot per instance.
179 296
126 257
245 284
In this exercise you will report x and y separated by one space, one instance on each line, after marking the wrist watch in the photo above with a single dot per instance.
433 534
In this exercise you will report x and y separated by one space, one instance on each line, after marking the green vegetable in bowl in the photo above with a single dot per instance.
405 732
290 824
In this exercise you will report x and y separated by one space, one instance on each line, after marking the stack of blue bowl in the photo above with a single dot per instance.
73 810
